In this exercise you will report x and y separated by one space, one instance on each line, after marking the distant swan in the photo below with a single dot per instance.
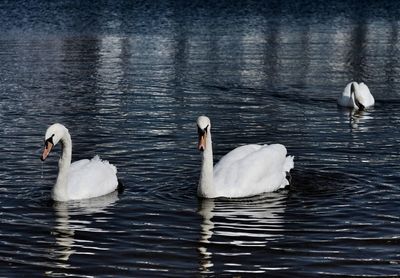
245 171
82 179
356 95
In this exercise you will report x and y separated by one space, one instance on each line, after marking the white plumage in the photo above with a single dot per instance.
82 179
356 95
91 178
251 170
245 171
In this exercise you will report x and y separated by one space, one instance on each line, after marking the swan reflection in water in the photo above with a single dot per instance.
357 119
72 217
246 222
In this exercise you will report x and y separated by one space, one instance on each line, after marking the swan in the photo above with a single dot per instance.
356 95
82 179
245 171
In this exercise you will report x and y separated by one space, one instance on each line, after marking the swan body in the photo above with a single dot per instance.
245 171
82 179
356 95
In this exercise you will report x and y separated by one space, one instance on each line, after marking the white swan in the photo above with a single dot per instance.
245 171
82 179
356 95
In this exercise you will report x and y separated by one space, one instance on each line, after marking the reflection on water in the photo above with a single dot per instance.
357 119
68 223
229 224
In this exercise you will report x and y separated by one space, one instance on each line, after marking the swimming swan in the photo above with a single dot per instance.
82 179
356 95
245 171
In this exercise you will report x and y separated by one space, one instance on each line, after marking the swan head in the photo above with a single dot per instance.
54 133
203 129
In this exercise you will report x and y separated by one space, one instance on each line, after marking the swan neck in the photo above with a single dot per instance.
60 192
206 188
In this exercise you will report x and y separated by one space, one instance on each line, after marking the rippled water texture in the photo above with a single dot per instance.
129 80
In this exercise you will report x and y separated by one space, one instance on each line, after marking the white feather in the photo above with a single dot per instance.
91 178
251 170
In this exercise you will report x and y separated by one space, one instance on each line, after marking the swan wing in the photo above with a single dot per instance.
236 155
365 97
91 178
77 165
251 170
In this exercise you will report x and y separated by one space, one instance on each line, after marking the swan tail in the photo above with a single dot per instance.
97 158
289 163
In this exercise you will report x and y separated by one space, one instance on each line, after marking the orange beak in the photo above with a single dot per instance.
202 142
46 151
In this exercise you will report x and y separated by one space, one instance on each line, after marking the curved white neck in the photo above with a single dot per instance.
60 192
353 99
206 188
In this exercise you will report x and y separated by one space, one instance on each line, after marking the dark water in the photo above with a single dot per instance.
129 80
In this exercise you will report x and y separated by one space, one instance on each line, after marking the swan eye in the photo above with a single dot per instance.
202 131
46 142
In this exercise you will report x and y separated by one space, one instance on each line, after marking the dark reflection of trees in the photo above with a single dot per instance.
304 54
271 59
277 69
180 53
356 57
213 54
392 60
180 67
78 82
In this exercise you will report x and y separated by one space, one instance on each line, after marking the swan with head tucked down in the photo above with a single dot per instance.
82 179
356 95
245 171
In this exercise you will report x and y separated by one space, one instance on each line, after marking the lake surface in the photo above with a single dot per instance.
129 80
